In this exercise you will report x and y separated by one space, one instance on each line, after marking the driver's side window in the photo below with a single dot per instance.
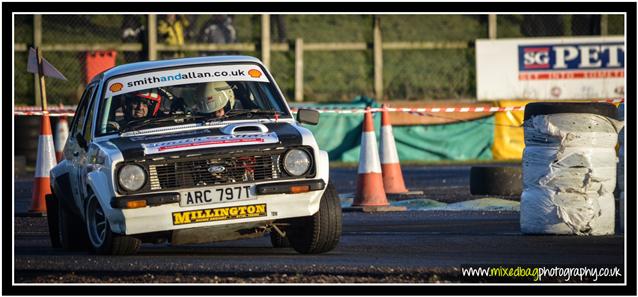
117 109
80 115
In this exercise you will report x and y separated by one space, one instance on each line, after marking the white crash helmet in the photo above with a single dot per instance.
216 95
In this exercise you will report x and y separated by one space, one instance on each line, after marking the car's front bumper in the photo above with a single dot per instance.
274 202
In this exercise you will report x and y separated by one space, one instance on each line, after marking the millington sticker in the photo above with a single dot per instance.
219 214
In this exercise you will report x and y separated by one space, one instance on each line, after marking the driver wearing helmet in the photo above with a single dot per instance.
216 98
137 106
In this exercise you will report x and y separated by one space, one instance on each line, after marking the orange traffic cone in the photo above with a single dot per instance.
392 176
61 134
44 163
370 195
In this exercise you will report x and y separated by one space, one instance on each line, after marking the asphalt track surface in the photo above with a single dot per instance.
398 247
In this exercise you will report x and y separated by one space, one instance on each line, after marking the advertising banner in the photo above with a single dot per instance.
551 68
200 74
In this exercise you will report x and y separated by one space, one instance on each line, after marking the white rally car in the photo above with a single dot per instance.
188 151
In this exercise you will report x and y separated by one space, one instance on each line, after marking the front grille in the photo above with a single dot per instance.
207 170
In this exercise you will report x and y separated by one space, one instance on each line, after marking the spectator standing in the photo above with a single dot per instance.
190 34
134 32
172 29
280 25
218 29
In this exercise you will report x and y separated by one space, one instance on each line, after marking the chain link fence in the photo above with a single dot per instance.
329 75
63 30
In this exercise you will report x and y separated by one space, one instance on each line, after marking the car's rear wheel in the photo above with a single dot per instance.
103 241
320 232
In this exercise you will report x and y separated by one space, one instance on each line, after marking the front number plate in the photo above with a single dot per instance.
217 195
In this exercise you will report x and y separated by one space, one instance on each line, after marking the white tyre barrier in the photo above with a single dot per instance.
569 171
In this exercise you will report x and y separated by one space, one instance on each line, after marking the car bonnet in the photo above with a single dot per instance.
198 141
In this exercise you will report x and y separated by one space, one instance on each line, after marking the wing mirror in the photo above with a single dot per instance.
308 116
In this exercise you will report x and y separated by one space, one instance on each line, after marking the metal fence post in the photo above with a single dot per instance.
378 59
152 37
265 39
492 26
37 43
299 69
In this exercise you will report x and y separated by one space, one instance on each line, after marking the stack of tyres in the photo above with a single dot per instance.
569 168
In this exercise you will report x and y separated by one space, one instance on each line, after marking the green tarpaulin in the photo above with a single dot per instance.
340 135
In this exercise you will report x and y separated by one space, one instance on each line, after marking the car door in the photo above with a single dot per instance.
73 151
87 135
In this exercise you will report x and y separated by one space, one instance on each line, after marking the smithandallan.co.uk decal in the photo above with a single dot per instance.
209 141
219 214
122 85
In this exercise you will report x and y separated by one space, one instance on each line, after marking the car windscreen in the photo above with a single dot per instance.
178 96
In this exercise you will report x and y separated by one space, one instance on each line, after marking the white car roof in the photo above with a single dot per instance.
150 65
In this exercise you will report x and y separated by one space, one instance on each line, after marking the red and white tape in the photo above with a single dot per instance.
426 109
70 110
51 114
50 108
52 111
438 109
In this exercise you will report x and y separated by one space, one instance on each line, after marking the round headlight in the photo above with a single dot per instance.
296 162
132 177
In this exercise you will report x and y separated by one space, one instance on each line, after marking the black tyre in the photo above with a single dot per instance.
102 240
500 181
320 232
543 108
52 220
278 241
72 235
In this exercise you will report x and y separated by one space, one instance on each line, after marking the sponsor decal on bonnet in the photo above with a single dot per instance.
159 136
209 142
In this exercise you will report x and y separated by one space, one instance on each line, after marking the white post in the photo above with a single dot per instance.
265 39
492 26
299 69
152 37
378 60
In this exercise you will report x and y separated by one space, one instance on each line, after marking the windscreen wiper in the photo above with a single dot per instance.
249 113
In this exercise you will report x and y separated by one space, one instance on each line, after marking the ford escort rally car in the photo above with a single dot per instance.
186 151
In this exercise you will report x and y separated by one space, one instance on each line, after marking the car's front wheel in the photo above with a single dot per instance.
320 232
65 227
103 241
53 220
